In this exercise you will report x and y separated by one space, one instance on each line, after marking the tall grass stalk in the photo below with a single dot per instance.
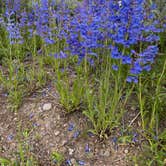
157 94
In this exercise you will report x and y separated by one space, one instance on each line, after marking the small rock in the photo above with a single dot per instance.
165 161
15 119
71 151
105 153
64 142
47 106
58 117
57 133
126 151
65 125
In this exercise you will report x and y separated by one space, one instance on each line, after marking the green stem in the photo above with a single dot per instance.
154 109
141 103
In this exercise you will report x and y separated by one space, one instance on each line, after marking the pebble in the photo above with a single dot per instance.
105 153
71 151
58 117
165 161
126 151
133 108
64 142
47 106
57 133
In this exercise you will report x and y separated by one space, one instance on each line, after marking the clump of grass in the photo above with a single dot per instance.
57 158
71 89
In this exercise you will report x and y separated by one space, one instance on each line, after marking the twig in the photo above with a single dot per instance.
118 160
134 119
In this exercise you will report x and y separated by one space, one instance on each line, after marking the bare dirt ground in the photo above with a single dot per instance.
50 130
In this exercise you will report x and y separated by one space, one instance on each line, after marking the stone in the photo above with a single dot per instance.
63 142
126 151
133 108
47 106
105 153
71 151
57 133
164 161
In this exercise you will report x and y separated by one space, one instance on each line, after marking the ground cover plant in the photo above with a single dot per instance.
102 62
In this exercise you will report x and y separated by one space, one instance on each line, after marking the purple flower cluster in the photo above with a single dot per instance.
120 27
42 21
39 19
117 26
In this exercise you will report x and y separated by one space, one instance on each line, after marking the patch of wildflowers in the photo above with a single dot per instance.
13 30
42 21
116 26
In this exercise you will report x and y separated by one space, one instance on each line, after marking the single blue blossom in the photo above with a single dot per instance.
81 162
10 137
76 134
87 148
71 126
115 67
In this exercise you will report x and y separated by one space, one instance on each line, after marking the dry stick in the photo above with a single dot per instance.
134 119
118 160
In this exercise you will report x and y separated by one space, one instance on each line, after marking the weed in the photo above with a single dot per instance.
57 158
71 90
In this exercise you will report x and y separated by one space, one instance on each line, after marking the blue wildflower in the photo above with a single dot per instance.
115 67
81 162
71 126
90 134
87 148
10 137
68 162
135 137
76 134
126 60
131 79
31 116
